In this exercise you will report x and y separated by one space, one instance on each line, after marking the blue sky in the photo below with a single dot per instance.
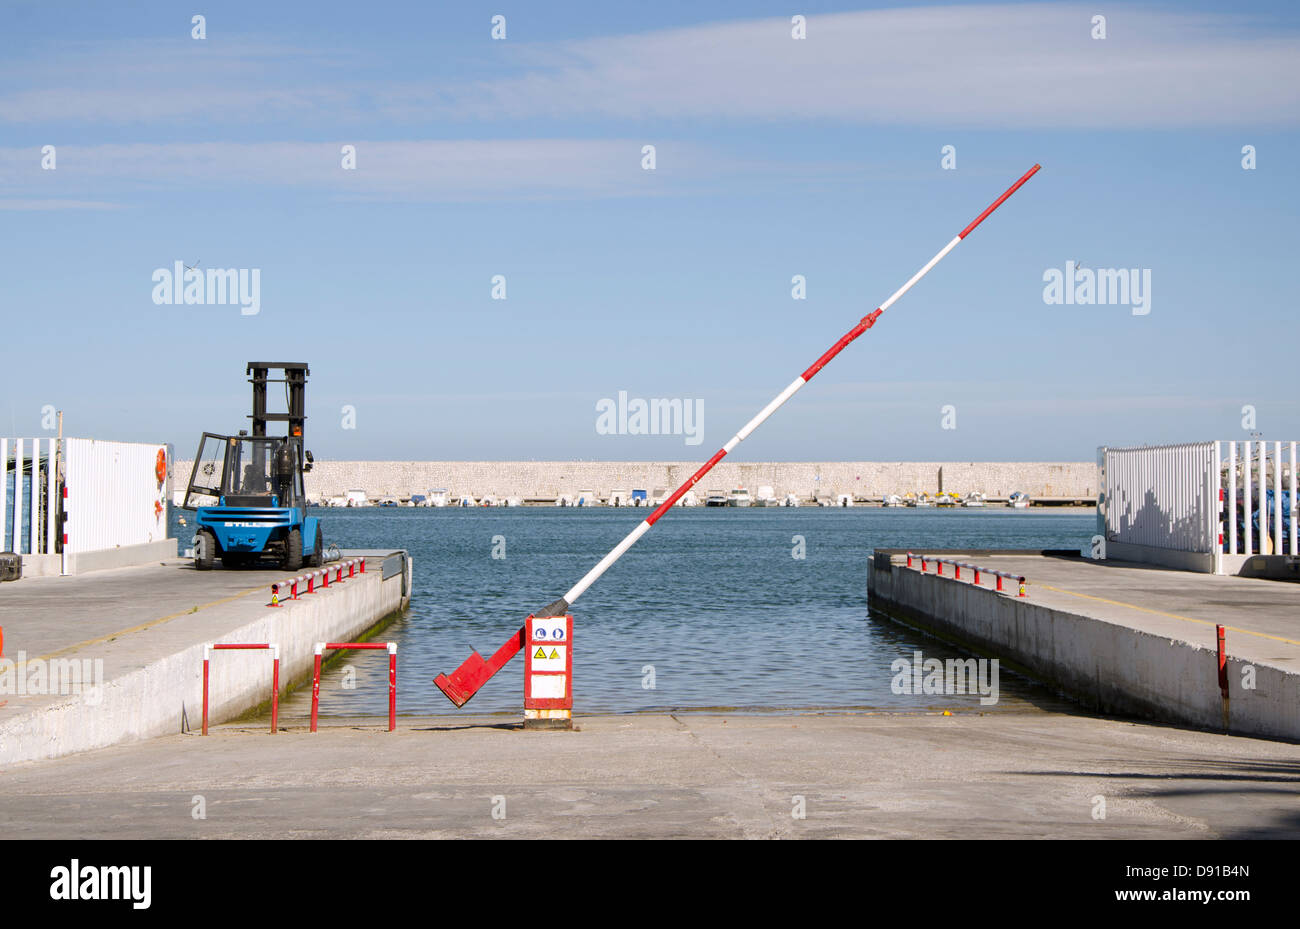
775 157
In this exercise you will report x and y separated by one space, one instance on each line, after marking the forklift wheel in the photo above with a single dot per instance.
205 550
317 557
292 551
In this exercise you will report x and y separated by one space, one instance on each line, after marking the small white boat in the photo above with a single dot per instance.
512 501
973 499
766 497
790 500
1018 500
438 497
923 501
587 498
564 500
844 500
892 500
739 497
715 498
465 500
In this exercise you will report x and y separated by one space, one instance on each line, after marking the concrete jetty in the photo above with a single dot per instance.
1119 637
117 655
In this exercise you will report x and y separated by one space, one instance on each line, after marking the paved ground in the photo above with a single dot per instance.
896 776
1262 616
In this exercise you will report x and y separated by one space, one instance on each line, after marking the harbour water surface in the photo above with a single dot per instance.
711 609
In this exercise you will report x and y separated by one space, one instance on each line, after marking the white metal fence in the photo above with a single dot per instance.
28 496
108 493
1259 497
1213 498
114 497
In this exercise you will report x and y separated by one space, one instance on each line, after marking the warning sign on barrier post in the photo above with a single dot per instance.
548 673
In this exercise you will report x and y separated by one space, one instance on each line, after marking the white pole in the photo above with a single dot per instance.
1261 503
17 534
4 489
1277 497
1295 544
51 501
1232 497
34 522
1245 498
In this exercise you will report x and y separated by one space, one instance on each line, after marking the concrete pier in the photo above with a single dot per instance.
117 655
1119 637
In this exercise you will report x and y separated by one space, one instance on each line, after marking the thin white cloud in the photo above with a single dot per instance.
417 170
45 205
1031 65
997 66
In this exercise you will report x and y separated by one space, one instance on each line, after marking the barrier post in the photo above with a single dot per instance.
1022 588
392 686
315 685
548 672
390 647
1223 673
939 566
206 652
275 595
275 689
909 559
923 564
325 578
956 570
999 576
363 565
977 577
274 649
352 568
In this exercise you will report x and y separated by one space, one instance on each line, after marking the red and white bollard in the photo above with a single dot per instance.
548 672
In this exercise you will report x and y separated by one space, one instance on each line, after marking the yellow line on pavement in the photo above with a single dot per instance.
149 625
1189 619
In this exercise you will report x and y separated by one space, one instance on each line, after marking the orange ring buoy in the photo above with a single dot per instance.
160 466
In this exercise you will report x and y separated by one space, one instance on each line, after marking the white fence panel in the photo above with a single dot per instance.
114 495
1162 496
26 496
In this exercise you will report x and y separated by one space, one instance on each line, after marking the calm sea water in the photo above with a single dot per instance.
712 601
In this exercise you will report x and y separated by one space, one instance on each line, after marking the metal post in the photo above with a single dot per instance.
392 686
1247 531
1277 498
205 689
315 685
1232 497
275 689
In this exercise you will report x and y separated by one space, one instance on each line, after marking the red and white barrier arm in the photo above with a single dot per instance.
561 606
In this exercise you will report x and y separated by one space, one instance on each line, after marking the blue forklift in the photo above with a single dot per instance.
246 490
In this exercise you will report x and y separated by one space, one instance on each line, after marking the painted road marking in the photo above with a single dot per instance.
149 625
1143 609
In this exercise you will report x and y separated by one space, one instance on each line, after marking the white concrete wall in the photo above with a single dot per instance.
549 479
1106 666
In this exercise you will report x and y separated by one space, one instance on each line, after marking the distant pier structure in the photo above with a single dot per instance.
547 481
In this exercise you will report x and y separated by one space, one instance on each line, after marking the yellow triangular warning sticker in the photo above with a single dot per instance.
541 652
555 653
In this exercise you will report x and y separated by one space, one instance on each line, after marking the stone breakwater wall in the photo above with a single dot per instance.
550 479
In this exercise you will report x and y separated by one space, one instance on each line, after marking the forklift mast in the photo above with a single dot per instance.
295 381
